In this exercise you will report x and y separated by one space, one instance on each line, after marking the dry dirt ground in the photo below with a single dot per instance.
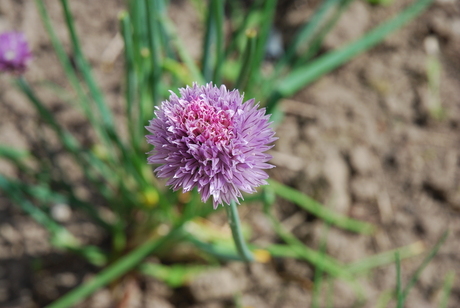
364 140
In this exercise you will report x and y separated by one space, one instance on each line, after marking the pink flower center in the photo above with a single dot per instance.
204 122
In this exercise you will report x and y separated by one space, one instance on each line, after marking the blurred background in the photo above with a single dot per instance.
378 139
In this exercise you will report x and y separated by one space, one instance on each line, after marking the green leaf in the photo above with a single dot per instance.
209 38
219 17
182 51
447 289
319 210
385 258
422 266
266 24
131 81
307 33
302 76
318 259
175 275
85 68
399 297
246 63
15 156
114 271
60 237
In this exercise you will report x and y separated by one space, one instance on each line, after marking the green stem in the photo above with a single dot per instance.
235 225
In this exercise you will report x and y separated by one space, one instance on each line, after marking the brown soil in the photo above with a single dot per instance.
363 140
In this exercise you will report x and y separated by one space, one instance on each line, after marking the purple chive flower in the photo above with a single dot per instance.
14 52
209 139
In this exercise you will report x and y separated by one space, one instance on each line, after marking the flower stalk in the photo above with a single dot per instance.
235 226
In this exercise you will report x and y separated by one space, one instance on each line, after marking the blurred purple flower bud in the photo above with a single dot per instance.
14 52
209 139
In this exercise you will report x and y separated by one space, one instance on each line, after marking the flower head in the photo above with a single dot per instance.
209 139
14 52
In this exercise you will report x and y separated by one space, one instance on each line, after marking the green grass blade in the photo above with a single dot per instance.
447 289
318 278
385 258
92 254
330 293
317 40
114 271
132 89
15 156
381 2
318 259
246 64
328 264
104 112
209 39
60 237
306 33
399 297
138 12
64 60
164 34
44 194
70 143
384 299
155 49
85 69
72 76
98 97
242 28
131 77
319 210
193 69
268 13
13 153
11 189
218 15
303 76
218 251
175 275
178 70
140 33
425 262
280 251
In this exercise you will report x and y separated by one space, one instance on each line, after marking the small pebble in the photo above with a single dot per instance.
61 212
